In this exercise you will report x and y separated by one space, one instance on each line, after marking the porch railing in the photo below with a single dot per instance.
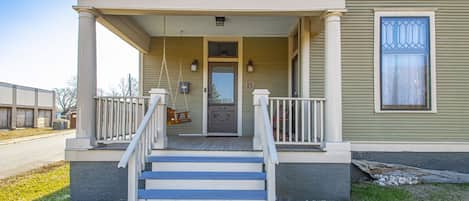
117 117
148 136
297 120
268 145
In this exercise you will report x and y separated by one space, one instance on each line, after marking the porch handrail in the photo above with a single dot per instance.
142 129
298 121
269 141
140 147
118 117
269 149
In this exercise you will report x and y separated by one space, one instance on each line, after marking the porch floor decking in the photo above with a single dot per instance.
203 143
195 143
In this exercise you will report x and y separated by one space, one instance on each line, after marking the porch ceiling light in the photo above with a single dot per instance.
220 21
194 65
250 66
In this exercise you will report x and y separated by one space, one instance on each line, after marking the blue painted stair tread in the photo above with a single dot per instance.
203 194
204 159
204 175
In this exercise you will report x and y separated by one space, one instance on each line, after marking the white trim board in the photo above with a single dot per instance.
377 57
239 87
315 157
93 155
369 146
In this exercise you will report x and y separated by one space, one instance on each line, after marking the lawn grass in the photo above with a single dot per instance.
51 183
421 192
371 192
18 133
48 183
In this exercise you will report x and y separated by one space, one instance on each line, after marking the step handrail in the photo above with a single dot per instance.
140 132
269 149
270 142
135 156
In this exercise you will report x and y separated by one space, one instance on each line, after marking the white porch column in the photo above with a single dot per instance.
333 77
257 138
86 78
161 137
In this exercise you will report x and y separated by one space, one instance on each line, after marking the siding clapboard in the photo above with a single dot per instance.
269 55
184 50
360 122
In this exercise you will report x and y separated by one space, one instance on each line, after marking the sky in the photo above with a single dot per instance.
38 46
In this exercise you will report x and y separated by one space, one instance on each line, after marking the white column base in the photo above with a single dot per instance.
339 152
338 146
161 143
83 143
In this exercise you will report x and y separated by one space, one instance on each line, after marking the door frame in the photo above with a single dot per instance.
239 95
235 85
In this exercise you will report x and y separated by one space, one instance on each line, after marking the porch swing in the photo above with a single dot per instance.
174 116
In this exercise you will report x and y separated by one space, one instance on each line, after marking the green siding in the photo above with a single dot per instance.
270 58
451 123
192 49
317 66
271 72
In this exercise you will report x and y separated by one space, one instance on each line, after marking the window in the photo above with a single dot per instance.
223 49
405 63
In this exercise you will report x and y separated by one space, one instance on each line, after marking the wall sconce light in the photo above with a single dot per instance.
250 66
194 65
220 21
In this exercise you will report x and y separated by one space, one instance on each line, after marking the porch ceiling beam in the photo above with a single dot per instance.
124 27
128 30
317 26
210 7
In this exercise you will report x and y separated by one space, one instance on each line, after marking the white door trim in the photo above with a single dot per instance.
239 103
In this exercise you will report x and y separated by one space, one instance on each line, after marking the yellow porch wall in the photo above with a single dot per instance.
271 72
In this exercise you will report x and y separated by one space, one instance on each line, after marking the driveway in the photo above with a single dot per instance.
24 155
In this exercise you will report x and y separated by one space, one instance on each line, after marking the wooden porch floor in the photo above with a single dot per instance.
210 143
197 143
202 143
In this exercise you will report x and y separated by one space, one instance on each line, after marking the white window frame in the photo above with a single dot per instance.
423 12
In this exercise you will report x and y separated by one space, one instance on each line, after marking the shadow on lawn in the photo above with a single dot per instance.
60 195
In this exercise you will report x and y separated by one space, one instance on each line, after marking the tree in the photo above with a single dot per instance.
126 87
66 97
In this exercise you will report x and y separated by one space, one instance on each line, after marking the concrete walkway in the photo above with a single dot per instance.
23 154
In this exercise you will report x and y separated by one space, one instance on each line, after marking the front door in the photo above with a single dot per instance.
222 90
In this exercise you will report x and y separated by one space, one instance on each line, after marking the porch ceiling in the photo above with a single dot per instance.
213 7
205 25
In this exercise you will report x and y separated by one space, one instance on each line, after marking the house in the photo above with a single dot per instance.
25 107
282 96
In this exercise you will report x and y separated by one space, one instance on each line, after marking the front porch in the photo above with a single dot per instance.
262 118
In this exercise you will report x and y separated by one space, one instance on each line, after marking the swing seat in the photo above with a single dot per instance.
174 117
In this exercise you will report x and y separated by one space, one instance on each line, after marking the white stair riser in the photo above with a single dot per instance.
204 184
206 153
206 167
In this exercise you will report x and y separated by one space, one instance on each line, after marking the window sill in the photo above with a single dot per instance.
407 111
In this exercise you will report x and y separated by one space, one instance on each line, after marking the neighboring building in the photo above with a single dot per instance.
25 107
303 86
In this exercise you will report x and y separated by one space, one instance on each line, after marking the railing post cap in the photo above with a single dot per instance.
261 92
158 91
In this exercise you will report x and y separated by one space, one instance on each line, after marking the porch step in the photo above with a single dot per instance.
153 195
204 159
206 163
204 177
204 180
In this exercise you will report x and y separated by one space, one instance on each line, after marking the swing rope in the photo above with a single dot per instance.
164 67
181 79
